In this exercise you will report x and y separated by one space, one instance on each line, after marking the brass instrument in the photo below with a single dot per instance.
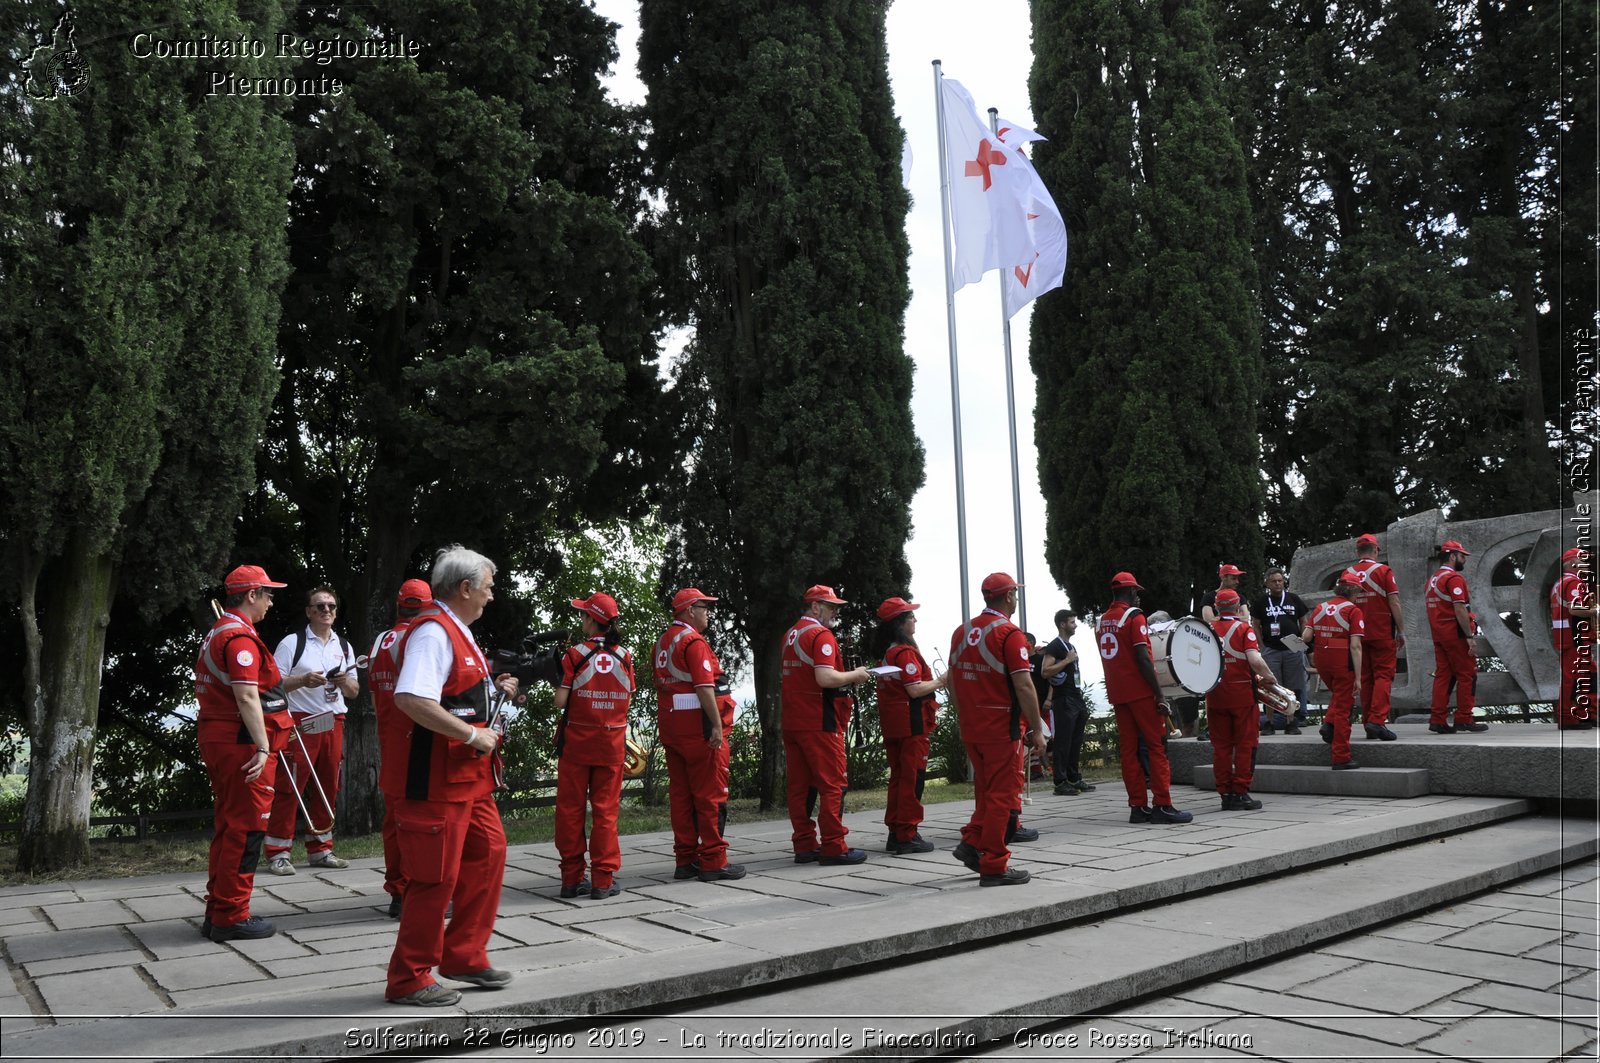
634 759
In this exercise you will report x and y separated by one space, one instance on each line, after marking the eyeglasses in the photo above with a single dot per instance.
324 607
264 590
702 606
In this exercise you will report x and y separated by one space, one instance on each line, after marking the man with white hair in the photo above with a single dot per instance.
436 770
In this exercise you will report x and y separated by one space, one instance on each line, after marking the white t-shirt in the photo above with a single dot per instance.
321 657
428 657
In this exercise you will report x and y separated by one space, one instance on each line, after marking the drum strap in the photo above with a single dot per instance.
1227 646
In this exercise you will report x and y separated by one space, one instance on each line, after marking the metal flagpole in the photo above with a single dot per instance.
950 316
1011 419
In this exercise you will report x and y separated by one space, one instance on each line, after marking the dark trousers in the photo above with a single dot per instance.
1071 716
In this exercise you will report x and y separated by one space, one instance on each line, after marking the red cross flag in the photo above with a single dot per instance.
1047 233
988 192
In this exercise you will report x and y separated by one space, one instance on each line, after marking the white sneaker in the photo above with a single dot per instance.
280 865
329 860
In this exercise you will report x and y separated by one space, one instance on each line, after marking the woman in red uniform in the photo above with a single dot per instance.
1335 629
906 713
596 685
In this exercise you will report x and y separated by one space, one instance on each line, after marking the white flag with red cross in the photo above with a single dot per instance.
1047 232
988 193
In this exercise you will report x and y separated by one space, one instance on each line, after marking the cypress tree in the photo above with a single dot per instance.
782 242
142 261
1148 359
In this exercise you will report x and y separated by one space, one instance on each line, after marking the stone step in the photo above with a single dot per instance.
992 997
1322 779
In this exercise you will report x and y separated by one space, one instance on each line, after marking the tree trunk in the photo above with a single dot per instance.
62 692
767 648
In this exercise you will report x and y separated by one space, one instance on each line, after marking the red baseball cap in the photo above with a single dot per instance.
1367 540
601 606
821 592
1227 596
1349 577
414 592
1577 553
893 607
248 578
1229 570
1450 546
1125 579
998 583
687 597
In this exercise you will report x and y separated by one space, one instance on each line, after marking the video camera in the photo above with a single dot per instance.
538 659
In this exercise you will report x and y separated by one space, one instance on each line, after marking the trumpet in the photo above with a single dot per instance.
634 759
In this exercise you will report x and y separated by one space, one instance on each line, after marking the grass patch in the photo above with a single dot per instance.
523 827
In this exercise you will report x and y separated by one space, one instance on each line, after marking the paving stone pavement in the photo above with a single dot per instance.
122 955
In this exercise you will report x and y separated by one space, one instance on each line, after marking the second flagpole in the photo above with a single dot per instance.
950 316
1011 420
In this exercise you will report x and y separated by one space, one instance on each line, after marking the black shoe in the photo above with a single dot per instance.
1266 729
1326 731
727 871
1025 834
968 855
1229 802
1138 814
917 844
1245 803
683 871
1587 725
1346 765
247 930
889 846
1380 732
1083 787
394 907
1065 789
1203 736
1474 727
810 857
1291 730
1441 729
205 928
600 893
1168 814
849 856
570 892
1013 876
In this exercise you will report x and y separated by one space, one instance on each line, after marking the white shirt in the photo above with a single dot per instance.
319 656
429 655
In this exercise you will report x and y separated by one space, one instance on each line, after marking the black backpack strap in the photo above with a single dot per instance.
299 647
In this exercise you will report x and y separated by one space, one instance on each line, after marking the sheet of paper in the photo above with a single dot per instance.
1293 642
885 670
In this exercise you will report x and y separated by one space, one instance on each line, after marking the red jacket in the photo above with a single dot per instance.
684 660
233 652
807 706
599 682
423 765
984 654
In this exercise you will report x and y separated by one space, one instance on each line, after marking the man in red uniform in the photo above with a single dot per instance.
436 773
695 714
1335 630
815 714
382 674
591 747
1572 619
1452 624
244 719
1377 595
1231 705
906 713
992 683
1123 636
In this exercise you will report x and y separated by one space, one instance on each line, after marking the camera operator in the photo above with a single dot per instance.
437 772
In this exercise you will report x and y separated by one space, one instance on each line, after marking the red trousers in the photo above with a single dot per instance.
816 772
452 851
996 795
1334 667
908 769
1136 720
240 821
1377 680
1575 702
697 792
1235 734
326 751
394 876
580 787
1453 666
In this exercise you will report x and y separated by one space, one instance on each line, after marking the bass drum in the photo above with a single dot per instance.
1187 657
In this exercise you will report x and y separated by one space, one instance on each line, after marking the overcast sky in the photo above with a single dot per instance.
991 58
